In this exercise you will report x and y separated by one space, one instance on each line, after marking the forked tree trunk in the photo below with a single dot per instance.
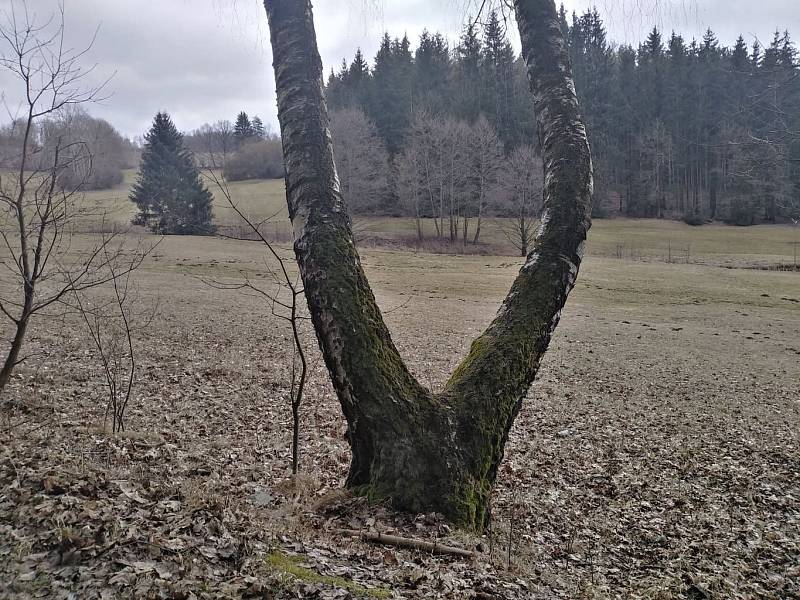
422 451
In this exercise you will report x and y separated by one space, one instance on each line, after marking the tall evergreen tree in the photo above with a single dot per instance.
243 129
755 57
337 89
467 87
593 70
357 78
497 68
740 61
391 91
432 73
168 191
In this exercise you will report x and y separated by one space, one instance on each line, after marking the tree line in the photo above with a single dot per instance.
430 134
93 153
679 129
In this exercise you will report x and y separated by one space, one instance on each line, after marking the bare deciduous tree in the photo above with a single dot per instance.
485 163
99 151
454 170
436 164
111 326
215 141
426 152
40 261
522 180
362 160
409 190
285 301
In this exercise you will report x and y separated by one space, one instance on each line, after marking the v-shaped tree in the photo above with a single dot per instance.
425 451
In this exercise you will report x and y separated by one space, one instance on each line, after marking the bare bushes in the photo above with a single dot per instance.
257 159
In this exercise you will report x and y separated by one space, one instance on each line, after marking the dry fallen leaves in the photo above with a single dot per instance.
628 473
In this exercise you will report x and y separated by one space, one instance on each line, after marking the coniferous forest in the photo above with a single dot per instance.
680 128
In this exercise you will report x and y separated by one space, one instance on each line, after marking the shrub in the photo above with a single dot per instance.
102 177
261 159
694 219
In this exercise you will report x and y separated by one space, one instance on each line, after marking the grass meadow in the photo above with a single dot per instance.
634 239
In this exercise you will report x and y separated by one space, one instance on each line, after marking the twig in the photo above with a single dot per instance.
414 544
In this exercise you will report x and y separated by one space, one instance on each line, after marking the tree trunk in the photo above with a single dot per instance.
523 235
422 451
477 230
12 358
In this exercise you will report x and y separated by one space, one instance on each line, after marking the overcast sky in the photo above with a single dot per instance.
205 60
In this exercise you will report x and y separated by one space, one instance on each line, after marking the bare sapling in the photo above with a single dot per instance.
111 326
284 299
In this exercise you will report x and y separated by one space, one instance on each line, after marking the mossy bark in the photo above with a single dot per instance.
428 452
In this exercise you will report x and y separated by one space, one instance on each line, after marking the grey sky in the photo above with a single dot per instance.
205 60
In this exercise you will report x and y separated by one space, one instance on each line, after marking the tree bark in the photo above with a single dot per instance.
21 327
422 451
12 358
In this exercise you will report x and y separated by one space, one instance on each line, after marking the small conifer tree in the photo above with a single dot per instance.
168 191
259 130
243 129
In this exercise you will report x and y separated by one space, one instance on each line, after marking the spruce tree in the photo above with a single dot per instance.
755 57
739 57
243 129
168 191
391 91
497 68
593 71
258 127
467 88
337 88
358 79
431 73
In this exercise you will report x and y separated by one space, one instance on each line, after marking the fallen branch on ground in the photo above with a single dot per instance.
400 542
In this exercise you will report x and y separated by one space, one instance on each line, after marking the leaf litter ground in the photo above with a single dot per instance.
656 457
